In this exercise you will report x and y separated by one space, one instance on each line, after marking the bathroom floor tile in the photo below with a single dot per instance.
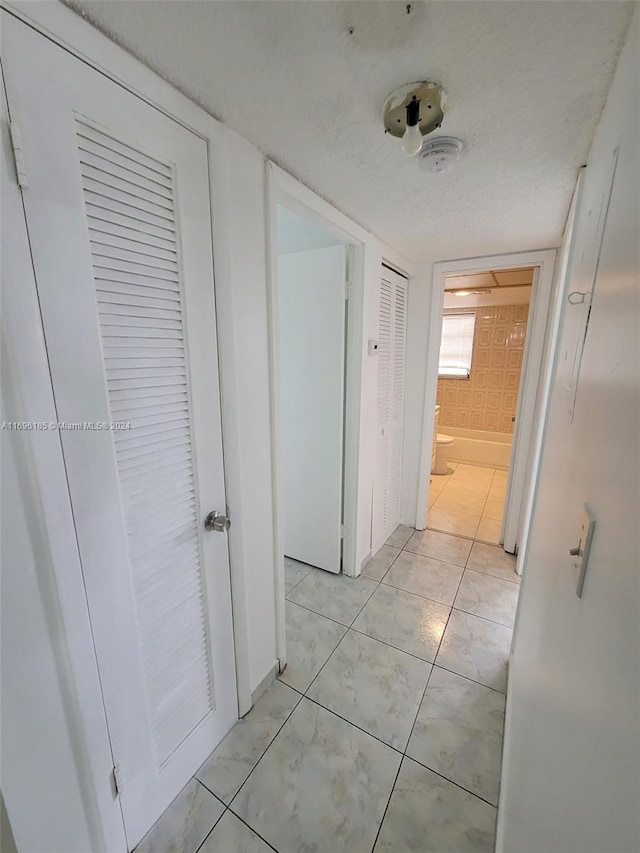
400 536
408 622
231 835
487 596
452 500
428 814
493 508
310 640
374 686
337 597
493 561
489 530
458 733
229 765
425 576
476 648
185 824
458 523
440 546
323 785
377 568
473 473
294 572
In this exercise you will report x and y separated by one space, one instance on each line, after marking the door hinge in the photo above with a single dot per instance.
347 290
343 531
118 781
18 155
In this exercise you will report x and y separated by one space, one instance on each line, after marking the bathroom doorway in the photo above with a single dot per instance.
486 355
484 327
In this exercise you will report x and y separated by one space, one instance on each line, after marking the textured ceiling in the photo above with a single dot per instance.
305 81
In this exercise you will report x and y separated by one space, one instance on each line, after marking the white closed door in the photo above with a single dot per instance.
119 223
392 324
312 346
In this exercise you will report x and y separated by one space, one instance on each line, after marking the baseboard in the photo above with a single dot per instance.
366 560
265 684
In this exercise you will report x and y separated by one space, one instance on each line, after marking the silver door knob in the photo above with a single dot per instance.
215 521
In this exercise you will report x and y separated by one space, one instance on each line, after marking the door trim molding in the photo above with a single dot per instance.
532 373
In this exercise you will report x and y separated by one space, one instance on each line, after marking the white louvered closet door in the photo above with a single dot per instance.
120 230
392 324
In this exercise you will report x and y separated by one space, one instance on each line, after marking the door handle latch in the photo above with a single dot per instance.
216 521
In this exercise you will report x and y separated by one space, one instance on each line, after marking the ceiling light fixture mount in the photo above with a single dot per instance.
413 111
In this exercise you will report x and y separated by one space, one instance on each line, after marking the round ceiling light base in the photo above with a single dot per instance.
439 154
432 100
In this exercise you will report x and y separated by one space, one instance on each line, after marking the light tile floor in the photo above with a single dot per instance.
384 733
469 501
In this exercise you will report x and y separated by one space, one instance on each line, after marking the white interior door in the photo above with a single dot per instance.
119 223
312 346
392 325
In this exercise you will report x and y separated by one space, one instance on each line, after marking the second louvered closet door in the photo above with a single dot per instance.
392 322
118 212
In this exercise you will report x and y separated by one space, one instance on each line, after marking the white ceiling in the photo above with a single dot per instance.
526 83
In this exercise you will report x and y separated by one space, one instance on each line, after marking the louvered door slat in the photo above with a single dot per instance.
139 301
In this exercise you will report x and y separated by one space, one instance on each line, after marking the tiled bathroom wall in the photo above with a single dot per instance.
488 399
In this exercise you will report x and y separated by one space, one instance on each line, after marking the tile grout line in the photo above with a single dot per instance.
264 752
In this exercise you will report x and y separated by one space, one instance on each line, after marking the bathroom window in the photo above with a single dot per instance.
456 346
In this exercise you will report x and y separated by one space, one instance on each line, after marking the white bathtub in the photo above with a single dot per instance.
479 447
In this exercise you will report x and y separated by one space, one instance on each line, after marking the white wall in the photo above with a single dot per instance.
571 775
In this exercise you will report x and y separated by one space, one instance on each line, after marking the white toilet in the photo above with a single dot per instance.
443 448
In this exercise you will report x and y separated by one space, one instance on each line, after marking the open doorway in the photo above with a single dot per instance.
484 330
513 463
312 275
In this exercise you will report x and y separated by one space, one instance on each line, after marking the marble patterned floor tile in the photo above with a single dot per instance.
310 640
493 561
448 521
455 501
478 488
374 686
231 835
440 546
458 733
428 814
294 572
473 473
229 765
377 568
337 597
400 536
425 576
185 824
477 649
489 530
487 596
322 786
408 622
493 508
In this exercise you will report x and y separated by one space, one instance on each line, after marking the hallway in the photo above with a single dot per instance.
385 730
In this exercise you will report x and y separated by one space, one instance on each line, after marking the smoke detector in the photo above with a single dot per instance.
439 154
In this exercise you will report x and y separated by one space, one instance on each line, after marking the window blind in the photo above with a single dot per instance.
457 345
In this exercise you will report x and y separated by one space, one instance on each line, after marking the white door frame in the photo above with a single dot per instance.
285 190
532 372
67 29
